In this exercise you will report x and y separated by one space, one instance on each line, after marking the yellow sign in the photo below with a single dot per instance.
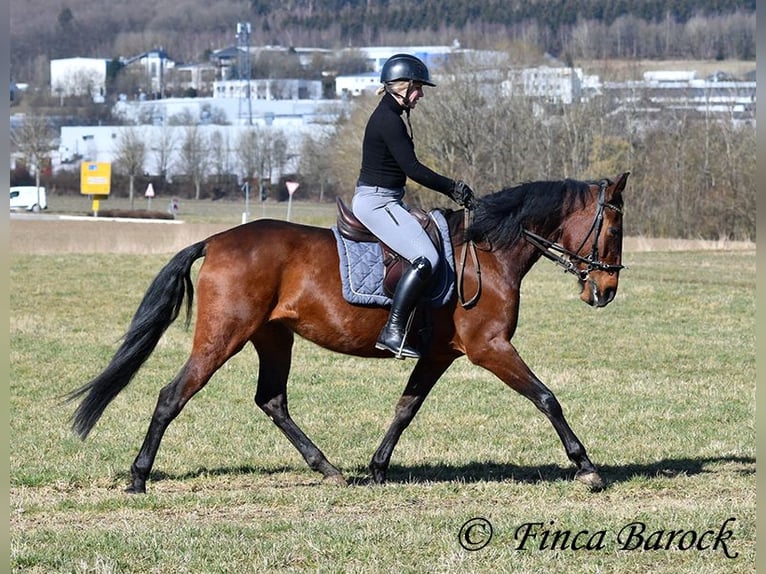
95 178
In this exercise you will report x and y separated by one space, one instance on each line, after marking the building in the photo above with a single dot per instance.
664 93
79 77
228 60
357 84
233 111
552 85
196 79
268 89
153 67
432 56
100 144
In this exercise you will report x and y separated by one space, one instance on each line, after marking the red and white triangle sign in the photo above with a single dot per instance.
291 186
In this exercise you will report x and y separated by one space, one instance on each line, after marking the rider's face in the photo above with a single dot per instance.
415 93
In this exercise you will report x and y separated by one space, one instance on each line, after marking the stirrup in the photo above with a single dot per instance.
401 352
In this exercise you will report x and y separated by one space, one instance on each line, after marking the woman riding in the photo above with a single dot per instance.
388 159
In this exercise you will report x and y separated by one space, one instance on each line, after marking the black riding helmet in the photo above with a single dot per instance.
405 67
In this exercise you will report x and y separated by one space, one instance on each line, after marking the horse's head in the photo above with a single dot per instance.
593 239
576 224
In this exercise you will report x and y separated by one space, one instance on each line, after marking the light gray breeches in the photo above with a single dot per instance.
383 212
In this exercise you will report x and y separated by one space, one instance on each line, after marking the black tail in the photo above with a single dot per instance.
160 306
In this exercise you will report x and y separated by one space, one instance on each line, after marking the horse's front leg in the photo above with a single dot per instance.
502 359
421 381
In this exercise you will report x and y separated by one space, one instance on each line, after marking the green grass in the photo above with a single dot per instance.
660 386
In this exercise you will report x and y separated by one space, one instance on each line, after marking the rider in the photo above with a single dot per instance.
388 159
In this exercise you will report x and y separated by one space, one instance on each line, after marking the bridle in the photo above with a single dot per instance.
570 259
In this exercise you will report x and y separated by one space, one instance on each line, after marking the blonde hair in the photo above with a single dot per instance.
398 87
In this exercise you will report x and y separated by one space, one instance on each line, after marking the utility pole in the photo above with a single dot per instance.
243 43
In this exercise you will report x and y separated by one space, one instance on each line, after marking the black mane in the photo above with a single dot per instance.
499 217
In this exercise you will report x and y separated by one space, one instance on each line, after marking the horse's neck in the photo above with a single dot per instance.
522 255
517 259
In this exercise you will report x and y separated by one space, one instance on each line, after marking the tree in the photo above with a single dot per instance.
316 161
220 153
130 155
277 152
163 147
249 152
195 156
260 152
33 140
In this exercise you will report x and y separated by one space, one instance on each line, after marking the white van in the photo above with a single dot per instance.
28 198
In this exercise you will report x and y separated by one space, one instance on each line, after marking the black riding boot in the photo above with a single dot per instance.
408 293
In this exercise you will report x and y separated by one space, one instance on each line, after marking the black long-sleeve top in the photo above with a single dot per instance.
388 153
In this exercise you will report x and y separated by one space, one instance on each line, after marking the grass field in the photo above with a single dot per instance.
660 386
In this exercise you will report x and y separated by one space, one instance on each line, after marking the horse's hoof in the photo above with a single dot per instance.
133 489
378 476
335 480
591 479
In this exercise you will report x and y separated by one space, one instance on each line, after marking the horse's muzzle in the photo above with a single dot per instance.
595 295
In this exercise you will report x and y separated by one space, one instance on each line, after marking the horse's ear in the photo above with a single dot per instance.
622 180
614 193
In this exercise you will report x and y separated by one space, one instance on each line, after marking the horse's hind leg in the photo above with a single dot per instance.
274 346
172 399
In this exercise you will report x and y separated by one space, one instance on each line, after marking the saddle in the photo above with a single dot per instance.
394 264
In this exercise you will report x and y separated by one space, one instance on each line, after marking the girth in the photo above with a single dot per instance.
394 264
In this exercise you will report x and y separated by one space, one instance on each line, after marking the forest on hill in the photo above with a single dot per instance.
41 30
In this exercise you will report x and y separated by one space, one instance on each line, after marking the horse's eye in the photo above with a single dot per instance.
614 231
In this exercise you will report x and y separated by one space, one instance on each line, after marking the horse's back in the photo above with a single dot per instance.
266 254
270 271
280 239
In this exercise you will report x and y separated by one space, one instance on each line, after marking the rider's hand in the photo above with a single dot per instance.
462 194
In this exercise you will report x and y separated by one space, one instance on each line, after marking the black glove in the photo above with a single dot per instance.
461 194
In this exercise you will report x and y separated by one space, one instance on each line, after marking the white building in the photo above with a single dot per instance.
357 85
78 77
481 63
555 85
268 89
155 65
658 76
432 56
197 77
100 144
236 111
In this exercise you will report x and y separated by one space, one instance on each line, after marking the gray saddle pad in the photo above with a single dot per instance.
361 269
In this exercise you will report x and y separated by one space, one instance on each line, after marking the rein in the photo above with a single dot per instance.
556 252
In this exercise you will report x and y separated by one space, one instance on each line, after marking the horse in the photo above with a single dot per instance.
266 281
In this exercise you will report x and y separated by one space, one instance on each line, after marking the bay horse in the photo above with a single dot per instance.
266 281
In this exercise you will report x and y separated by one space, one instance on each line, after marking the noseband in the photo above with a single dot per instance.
569 259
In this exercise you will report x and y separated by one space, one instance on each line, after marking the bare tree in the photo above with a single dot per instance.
195 156
130 155
219 154
346 145
250 150
276 157
316 162
163 147
33 140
